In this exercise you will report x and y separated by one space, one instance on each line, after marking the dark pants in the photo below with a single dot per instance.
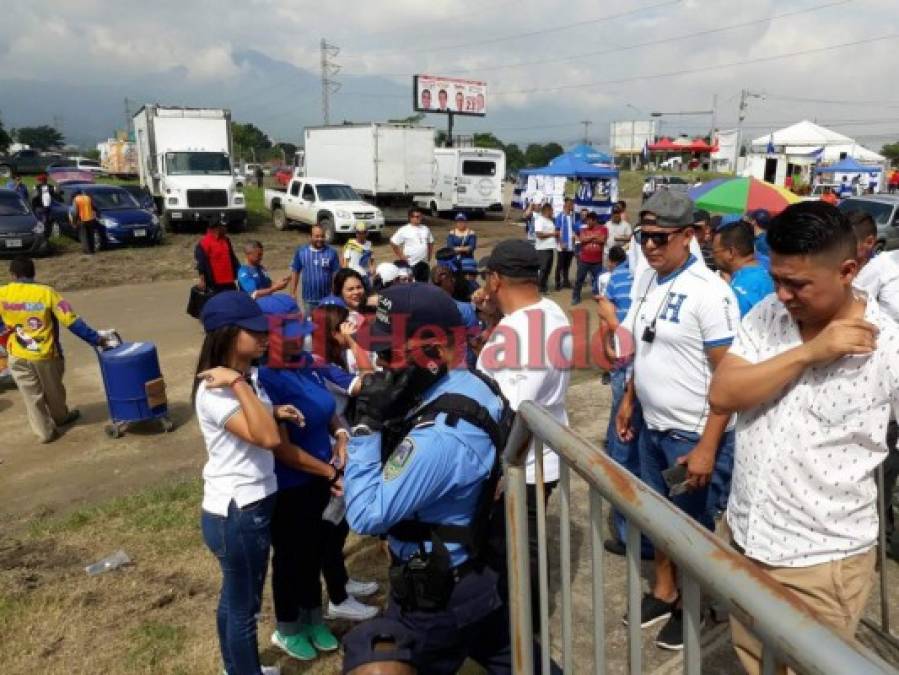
333 565
545 258
421 271
300 544
563 269
86 230
240 542
584 269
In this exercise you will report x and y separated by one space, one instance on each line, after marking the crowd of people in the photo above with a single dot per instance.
753 370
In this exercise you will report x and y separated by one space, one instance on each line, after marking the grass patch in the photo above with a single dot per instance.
153 642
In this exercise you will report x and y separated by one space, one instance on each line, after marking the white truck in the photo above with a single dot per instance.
466 180
387 164
330 203
184 160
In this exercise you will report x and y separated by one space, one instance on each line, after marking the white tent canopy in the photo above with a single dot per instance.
802 134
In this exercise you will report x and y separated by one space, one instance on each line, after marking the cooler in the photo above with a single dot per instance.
135 390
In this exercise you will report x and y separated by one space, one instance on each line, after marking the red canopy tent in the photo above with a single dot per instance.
666 145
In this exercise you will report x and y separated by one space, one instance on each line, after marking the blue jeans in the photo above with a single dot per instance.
660 450
241 542
625 452
584 269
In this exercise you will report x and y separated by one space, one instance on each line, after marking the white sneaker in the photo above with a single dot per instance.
351 609
266 670
361 589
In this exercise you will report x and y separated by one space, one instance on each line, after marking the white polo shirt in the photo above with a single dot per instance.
413 240
803 490
543 225
235 469
529 364
639 265
692 310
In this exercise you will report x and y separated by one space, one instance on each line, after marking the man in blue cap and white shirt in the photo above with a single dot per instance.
426 476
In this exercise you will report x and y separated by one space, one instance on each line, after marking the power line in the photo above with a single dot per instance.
700 69
516 36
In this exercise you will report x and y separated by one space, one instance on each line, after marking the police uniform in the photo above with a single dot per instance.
433 482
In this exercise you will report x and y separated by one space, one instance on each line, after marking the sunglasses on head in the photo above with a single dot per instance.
657 238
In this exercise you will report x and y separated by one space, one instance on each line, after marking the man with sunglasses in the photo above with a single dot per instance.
683 320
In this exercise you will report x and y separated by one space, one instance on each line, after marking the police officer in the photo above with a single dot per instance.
422 467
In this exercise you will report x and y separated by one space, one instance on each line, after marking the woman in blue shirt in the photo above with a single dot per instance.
462 239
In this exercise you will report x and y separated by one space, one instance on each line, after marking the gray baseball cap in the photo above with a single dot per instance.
671 209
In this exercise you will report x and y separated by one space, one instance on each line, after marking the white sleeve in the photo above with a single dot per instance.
719 316
217 405
398 237
889 298
519 385
750 332
430 236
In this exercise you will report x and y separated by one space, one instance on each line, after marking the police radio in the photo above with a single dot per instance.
649 333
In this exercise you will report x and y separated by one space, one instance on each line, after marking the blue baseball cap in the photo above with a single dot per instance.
331 301
420 305
461 216
376 641
761 216
469 266
233 308
281 307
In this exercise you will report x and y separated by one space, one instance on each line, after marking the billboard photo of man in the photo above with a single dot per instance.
460 101
426 99
442 100
479 103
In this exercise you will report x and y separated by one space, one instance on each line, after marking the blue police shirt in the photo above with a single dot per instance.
751 284
618 290
304 389
435 474
317 267
253 278
761 245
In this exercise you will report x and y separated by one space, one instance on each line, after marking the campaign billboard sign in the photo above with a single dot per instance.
434 94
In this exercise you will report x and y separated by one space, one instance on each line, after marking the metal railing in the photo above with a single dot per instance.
790 633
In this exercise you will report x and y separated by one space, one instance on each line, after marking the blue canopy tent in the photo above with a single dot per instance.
597 185
587 153
849 165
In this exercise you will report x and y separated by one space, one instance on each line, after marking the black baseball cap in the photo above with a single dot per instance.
419 305
378 640
513 258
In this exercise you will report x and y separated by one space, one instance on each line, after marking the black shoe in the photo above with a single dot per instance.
672 634
653 610
617 547
73 415
606 378
566 284
558 288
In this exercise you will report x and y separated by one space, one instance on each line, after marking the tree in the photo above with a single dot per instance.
42 137
5 138
440 138
412 119
289 150
487 141
514 157
535 155
248 138
891 152
552 150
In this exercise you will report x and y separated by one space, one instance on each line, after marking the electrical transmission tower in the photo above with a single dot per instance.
586 124
329 71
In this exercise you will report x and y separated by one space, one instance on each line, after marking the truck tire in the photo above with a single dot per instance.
327 224
279 218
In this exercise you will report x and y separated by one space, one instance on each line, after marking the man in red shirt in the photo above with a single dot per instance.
592 238
216 262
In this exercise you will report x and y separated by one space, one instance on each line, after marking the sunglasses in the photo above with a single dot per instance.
658 239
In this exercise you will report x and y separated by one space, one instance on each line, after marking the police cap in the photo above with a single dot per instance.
412 307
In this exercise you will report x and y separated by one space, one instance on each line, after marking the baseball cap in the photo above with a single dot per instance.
361 227
331 301
420 305
387 272
233 308
761 216
667 209
377 640
469 266
513 258
446 257
461 216
280 308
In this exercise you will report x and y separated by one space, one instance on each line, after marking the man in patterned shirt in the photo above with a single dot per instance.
812 373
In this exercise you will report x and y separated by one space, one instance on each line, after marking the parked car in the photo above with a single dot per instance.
652 184
20 230
119 213
884 209
25 161
87 164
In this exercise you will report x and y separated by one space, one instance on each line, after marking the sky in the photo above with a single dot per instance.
548 66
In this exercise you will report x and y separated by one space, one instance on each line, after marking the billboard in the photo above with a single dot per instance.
434 94
629 137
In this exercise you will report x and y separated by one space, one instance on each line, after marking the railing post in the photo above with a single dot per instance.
565 545
634 597
542 557
692 623
599 627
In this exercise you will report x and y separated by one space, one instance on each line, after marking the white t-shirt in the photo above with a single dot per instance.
235 469
414 240
880 280
529 364
546 226
692 310
619 233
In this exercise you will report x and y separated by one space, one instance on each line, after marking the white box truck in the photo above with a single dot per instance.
386 164
468 180
184 160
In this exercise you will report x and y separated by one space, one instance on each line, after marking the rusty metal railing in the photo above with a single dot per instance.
790 633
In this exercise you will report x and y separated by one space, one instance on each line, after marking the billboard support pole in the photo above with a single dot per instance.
449 129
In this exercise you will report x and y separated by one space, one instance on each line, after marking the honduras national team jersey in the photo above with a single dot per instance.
690 311
317 267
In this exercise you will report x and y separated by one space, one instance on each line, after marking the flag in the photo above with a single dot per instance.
770 149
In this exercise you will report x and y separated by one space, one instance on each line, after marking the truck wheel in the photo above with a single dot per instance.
279 219
327 224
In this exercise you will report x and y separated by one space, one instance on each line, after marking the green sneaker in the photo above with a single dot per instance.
296 646
322 637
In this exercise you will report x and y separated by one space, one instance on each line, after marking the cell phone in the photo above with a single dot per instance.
676 479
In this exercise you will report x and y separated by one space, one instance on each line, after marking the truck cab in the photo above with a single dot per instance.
330 203
467 180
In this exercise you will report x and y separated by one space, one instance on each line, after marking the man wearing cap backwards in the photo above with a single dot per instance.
682 322
357 253
519 357
427 479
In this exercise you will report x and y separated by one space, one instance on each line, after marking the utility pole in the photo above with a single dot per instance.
127 118
586 124
329 71
745 95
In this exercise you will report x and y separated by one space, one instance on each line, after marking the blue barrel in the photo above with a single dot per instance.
127 369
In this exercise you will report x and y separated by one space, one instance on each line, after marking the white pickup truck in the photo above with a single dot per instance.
330 203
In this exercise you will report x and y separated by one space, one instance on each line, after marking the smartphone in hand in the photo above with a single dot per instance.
676 479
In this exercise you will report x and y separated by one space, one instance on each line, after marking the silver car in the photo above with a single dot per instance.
652 184
884 209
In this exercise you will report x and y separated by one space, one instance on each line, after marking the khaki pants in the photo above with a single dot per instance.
40 383
835 591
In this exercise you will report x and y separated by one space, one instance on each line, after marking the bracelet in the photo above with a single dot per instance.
343 431
239 378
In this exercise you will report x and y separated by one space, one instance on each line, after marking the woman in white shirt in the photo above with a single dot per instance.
240 430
